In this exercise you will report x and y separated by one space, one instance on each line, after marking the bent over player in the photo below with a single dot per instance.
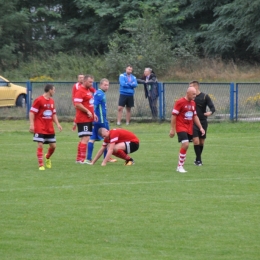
42 115
118 142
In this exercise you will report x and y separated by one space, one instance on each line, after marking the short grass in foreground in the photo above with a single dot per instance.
146 211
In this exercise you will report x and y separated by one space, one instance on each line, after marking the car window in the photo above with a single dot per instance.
3 82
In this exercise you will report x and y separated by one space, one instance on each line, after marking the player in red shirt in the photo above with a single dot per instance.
75 88
183 116
118 142
42 115
84 104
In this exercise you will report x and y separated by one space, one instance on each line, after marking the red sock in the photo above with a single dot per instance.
50 152
182 157
83 150
122 154
78 153
40 156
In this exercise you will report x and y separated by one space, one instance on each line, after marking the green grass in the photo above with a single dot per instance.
146 211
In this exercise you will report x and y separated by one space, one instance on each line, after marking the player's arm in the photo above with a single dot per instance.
80 107
173 126
198 124
210 105
99 153
31 119
56 121
109 153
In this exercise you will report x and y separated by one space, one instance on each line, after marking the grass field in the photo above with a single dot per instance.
146 211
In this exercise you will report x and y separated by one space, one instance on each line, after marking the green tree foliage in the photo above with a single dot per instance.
13 24
234 33
144 45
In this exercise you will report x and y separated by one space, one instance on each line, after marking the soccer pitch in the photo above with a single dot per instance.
144 211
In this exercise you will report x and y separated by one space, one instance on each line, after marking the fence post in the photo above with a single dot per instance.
28 98
231 104
236 91
161 101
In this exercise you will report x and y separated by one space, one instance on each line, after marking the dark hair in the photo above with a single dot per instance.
194 82
88 76
48 87
129 66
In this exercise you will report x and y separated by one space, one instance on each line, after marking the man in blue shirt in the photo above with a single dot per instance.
128 83
100 108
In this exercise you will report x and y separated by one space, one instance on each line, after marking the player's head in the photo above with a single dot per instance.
50 89
191 93
80 78
194 84
128 69
147 71
103 132
104 84
88 81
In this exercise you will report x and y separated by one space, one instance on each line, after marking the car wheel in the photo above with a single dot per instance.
20 102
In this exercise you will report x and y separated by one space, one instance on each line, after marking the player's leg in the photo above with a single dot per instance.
183 138
105 152
39 138
51 149
196 145
40 156
84 133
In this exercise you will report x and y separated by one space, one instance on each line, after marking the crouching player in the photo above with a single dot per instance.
118 142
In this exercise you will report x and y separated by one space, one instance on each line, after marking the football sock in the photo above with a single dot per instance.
90 150
201 148
83 150
197 152
182 157
122 154
40 156
78 152
50 152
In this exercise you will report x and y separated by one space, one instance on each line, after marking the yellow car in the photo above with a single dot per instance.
11 94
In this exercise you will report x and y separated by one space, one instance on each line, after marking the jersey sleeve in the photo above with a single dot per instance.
176 108
210 104
78 97
35 106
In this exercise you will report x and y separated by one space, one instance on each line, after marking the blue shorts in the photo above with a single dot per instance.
95 129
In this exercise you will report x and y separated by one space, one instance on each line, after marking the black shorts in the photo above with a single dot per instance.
84 129
43 138
131 147
197 132
184 137
127 101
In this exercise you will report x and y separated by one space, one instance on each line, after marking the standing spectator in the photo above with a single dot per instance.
85 116
127 83
100 108
42 115
120 143
150 90
183 116
75 88
202 101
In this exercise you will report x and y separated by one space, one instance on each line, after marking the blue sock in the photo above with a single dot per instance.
90 150
105 152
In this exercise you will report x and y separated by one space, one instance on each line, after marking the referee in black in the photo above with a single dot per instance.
202 101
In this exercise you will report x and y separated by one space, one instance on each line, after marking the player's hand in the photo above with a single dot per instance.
89 114
208 113
172 133
202 131
31 129
59 127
